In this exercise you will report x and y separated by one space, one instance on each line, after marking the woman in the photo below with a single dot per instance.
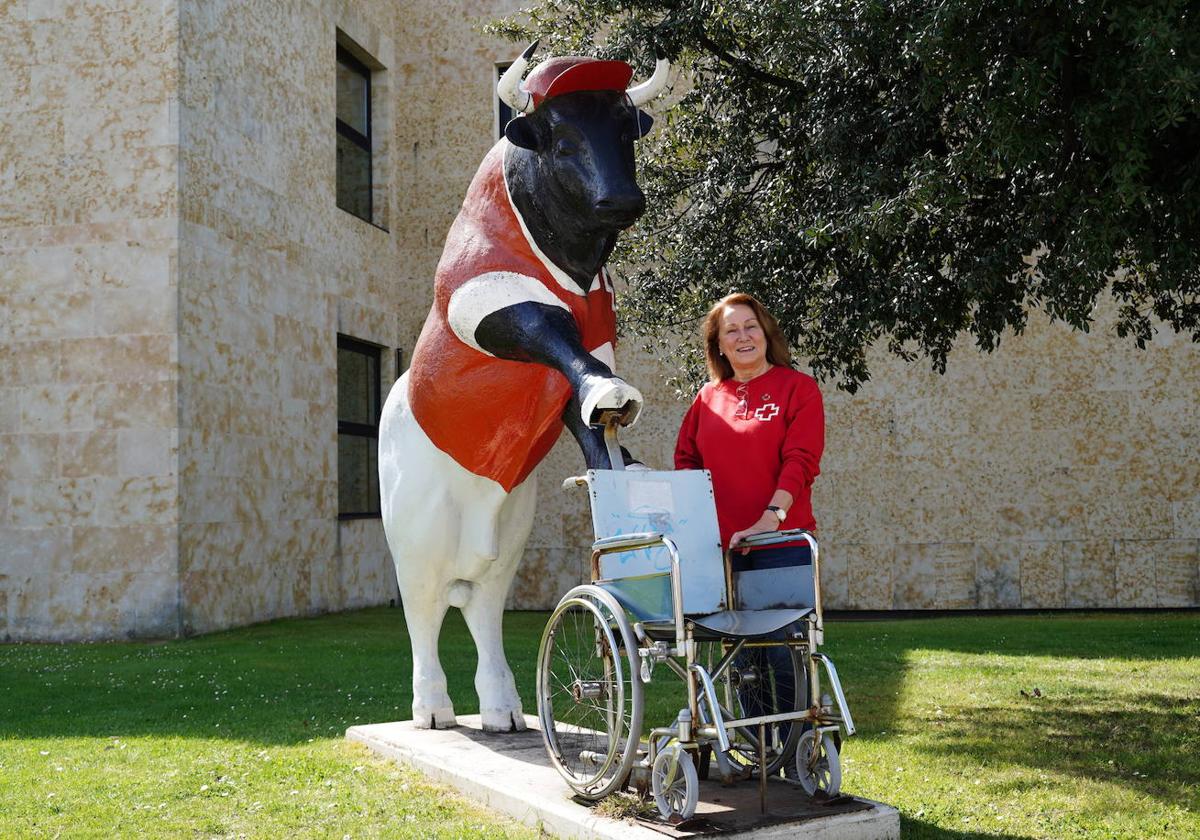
758 426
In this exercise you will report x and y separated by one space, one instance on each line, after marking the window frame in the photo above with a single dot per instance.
364 142
504 111
354 429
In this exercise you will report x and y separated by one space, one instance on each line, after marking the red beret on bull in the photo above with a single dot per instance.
567 74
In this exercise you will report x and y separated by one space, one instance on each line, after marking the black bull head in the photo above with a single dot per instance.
571 170
573 178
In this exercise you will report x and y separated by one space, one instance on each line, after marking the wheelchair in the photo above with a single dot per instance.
664 596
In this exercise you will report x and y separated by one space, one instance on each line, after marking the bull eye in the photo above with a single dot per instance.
565 147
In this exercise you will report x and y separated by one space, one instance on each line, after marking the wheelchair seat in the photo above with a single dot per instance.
730 624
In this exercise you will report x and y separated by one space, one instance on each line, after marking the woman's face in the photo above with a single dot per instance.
741 339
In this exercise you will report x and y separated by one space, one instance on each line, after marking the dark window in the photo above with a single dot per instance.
358 428
504 113
353 135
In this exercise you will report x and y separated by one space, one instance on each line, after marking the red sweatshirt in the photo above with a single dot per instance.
775 444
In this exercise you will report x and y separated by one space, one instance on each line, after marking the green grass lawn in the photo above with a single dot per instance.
240 733
228 735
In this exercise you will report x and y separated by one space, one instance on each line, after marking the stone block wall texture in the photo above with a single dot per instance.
272 271
89 485
174 272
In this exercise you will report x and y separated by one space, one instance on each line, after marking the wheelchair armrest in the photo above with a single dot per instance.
776 537
648 539
627 542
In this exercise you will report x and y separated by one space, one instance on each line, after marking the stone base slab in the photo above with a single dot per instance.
511 773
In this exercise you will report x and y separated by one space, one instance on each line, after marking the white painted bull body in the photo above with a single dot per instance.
457 538
518 343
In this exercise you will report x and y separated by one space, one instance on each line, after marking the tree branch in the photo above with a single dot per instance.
745 66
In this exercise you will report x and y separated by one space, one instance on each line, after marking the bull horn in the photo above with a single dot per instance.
510 89
650 88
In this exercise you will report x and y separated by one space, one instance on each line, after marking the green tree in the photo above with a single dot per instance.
910 171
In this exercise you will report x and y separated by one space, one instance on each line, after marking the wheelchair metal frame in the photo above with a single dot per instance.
663 764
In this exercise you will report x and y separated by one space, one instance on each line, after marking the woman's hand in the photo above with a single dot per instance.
766 524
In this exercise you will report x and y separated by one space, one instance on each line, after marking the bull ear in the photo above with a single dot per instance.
645 121
521 131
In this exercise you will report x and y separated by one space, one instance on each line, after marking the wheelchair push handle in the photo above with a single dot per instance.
622 416
611 420
574 481
775 537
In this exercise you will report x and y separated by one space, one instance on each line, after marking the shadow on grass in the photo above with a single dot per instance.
283 682
1146 740
1150 745
911 829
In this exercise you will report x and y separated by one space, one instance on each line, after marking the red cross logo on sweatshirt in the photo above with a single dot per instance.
767 411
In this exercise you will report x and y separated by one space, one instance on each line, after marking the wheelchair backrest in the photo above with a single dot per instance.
678 504
787 587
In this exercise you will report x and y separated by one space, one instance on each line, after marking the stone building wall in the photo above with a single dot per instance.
89 490
174 273
272 271
1059 471
175 276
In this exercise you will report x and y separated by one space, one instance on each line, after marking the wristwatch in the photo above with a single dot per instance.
778 511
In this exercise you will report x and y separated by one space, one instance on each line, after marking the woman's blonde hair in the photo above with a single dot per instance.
719 368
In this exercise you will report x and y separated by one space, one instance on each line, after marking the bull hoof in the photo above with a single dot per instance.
503 720
442 718
599 394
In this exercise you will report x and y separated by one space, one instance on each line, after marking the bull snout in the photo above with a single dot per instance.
620 209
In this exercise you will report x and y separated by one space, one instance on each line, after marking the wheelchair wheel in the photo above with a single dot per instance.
757 683
674 783
589 695
822 772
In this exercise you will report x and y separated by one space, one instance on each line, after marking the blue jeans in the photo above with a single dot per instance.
772 663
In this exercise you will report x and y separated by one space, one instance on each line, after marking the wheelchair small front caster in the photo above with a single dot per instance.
674 783
822 772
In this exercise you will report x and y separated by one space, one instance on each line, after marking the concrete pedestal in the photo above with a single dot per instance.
511 773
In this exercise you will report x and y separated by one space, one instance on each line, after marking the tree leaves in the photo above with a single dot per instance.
885 170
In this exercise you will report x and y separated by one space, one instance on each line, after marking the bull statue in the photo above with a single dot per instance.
518 343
